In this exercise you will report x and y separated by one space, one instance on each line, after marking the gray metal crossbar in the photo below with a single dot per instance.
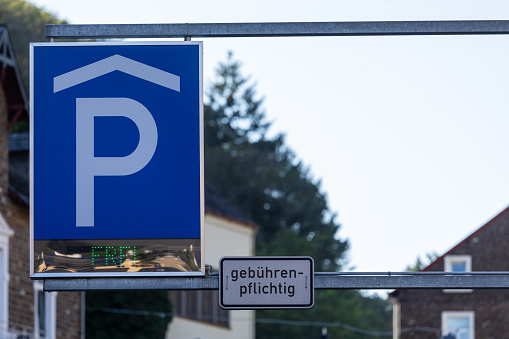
369 281
336 280
277 29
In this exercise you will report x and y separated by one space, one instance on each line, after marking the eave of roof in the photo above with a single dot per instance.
232 219
217 205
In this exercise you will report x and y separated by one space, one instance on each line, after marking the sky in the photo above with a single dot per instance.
408 135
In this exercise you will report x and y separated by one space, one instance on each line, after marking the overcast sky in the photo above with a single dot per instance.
408 134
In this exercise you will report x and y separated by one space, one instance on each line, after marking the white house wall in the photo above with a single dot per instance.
226 238
223 237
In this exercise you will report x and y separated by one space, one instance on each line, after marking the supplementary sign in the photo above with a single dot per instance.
266 282
116 150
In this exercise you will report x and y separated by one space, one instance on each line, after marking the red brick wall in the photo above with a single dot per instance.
21 292
68 314
422 308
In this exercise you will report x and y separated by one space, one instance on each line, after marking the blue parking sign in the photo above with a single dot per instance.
116 137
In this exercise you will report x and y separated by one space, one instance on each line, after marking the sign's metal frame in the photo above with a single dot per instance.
278 29
200 128
332 280
303 283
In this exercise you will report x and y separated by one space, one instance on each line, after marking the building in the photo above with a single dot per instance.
28 312
465 314
25 310
197 313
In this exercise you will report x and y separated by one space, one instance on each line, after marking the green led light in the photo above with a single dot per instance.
101 256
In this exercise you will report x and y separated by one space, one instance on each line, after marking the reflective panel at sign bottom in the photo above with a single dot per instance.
106 256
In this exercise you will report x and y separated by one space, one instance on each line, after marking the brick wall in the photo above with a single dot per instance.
21 291
421 309
4 165
69 315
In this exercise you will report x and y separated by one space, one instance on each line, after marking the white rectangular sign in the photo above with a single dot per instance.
266 282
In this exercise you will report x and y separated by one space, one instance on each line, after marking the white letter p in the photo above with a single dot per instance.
88 166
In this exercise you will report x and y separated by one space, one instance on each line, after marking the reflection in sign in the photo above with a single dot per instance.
116 159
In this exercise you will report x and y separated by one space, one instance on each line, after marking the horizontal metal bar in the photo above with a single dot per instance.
324 281
142 283
389 273
277 29
412 282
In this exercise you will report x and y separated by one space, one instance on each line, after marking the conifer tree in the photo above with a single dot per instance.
263 177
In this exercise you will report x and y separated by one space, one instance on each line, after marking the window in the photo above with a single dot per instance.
201 306
5 233
458 324
45 312
458 263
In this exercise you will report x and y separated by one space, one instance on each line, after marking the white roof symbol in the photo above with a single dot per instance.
116 63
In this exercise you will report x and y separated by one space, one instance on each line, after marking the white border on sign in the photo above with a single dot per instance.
266 306
36 276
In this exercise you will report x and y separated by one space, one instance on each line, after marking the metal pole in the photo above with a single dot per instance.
277 29
324 281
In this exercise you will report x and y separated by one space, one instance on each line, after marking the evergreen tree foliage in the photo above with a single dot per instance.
421 264
263 177
345 314
127 314
233 114
266 181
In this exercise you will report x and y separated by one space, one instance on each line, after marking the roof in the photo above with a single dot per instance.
503 214
474 234
216 204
